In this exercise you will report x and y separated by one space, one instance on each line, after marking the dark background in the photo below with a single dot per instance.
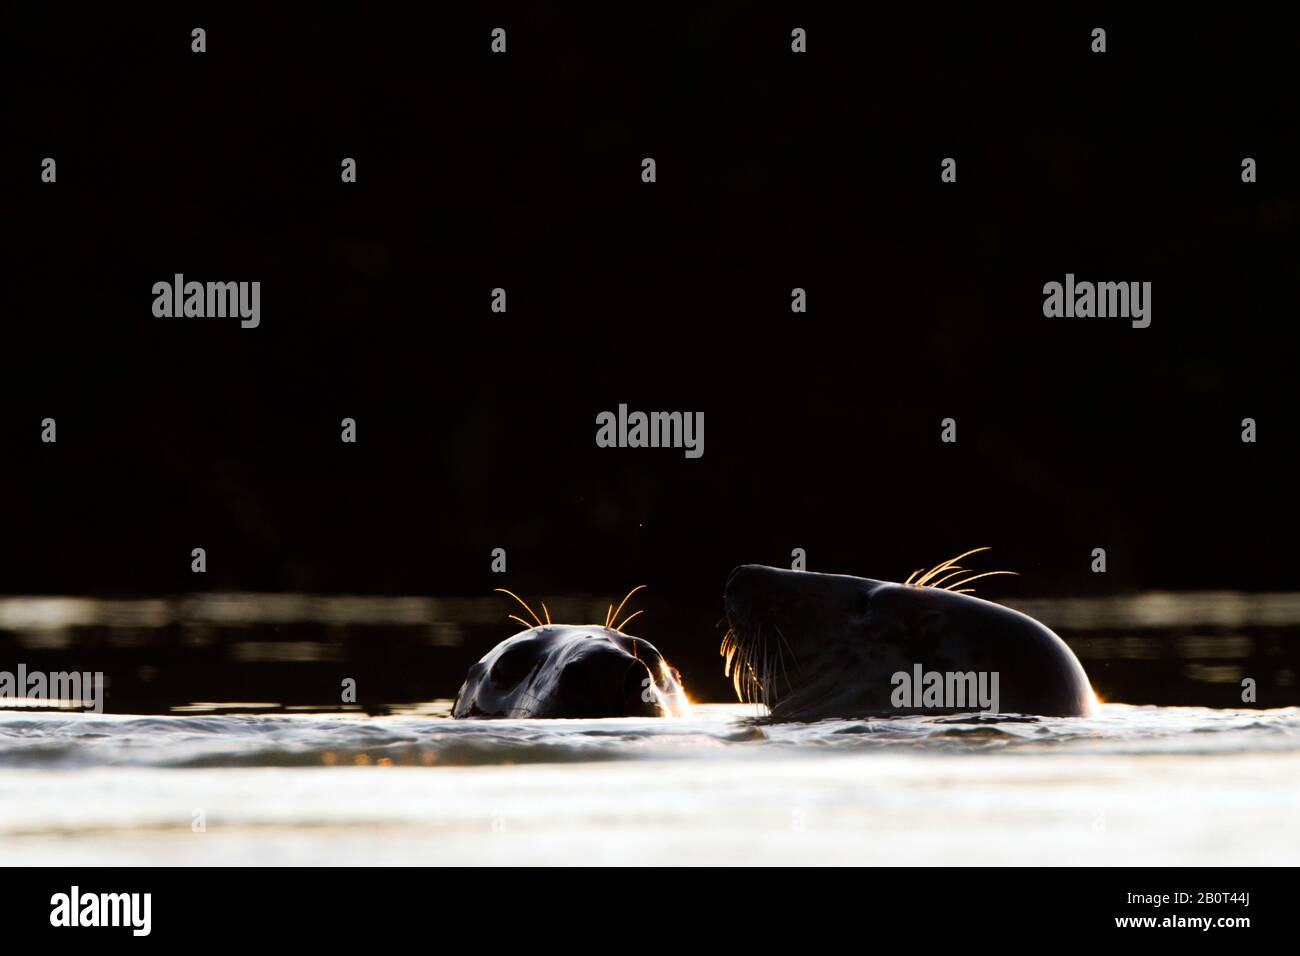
775 170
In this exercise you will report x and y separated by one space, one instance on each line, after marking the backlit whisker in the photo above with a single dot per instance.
976 577
619 611
524 603
953 572
628 618
947 564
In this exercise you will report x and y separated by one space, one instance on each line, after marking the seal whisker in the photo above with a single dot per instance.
624 601
794 656
546 612
524 603
728 651
619 627
937 569
780 656
515 617
746 652
926 575
768 671
760 673
953 572
747 666
946 565
787 644
754 661
976 577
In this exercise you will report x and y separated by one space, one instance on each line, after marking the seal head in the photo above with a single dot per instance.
812 646
559 670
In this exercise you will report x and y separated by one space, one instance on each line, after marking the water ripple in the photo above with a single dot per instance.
713 732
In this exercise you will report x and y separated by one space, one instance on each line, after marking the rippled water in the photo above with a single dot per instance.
1129 785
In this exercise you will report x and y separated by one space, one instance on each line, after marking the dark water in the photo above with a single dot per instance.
276 651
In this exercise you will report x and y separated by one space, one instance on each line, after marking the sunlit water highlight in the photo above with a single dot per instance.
1129 785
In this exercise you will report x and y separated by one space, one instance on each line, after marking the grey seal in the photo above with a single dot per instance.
813 646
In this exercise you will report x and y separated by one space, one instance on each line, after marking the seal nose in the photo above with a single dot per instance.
639 697
609 683
740 584
745 586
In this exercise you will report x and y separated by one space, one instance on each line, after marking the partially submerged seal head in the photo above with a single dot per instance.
563 670
812 646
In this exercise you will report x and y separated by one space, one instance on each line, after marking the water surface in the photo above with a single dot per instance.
1129 785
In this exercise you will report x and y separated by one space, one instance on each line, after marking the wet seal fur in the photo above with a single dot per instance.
813 646
577 671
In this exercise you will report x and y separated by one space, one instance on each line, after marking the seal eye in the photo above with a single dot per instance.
511 667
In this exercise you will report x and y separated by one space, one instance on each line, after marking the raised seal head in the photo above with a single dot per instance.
812 646
564 670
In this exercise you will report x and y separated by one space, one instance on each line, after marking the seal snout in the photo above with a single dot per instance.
747 586
606 681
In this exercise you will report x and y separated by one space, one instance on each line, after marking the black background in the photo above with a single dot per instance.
775 170
264 904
